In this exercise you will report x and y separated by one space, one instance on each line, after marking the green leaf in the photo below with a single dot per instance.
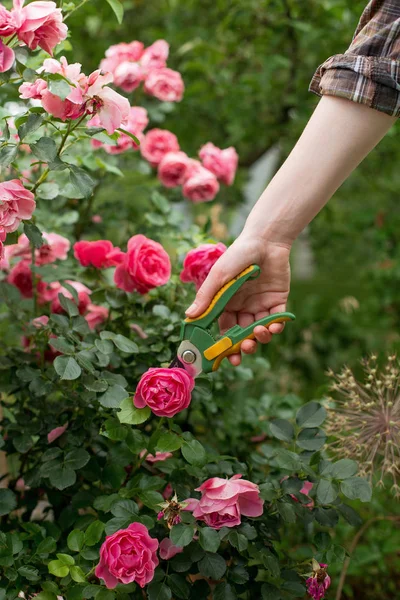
169 442
311 439
336 554
356 488
118 9
179 586
115 430
33 234
194 453
59 86
82 181
68 305
113 397
32 123
94 532
66 559
131 415
158 590
62 477
48 191
75 540
311 415
125 344
212 566
77 574
282 429
327 492
285 459
181 535
47 546
351 516
151 499
46 596
343 469
67 368
105 595
124 509
238 540
45 149
58 568
62 345
224 591
271 563
209 539
8 154
30 573
8 501
104 346
76 459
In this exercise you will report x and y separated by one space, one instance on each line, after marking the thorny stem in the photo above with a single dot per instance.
353 546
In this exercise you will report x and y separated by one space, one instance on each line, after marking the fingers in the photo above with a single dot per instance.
277 327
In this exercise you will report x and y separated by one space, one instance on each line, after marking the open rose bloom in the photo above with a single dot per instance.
165 391
199 261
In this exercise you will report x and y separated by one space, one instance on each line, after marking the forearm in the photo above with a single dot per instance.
337 138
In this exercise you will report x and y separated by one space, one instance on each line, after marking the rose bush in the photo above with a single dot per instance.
122 474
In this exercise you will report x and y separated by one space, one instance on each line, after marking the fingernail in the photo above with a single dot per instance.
191 308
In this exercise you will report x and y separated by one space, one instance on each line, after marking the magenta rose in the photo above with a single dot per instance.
172 169
129 555
156 144
165 84
201 186
318 583
146 266
198 262
224 501
223 163
100 254
39 24
7 57
16 203
168 550
165 391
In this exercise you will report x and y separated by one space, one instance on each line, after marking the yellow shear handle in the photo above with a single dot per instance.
236 348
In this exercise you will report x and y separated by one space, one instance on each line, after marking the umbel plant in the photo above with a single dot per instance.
113 483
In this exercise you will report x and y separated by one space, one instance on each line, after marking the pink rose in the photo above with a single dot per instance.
112 108
165 391
155 56
156 144
165 84
7 57
1 252
198 262
172 169
21 277
128 76
224 501
54 434
96 315
203 186
120 53
128 555
55 247
137 122
16 203
223 163
100 254
74 105
159 457
168 550
40 24
83 296
8 25
146 266
32 90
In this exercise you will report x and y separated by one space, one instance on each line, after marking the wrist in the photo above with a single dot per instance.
266 235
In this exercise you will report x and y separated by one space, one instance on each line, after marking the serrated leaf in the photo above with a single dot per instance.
67 368
45 149
8 501
311 415
181 535
343 469
82 181
8 154
113 397
57 568
32 123
94 533
356 488
33 234
212 566
77 574
169 442
282 429
75 540
194 453
125 344
131 415
327 492
30 573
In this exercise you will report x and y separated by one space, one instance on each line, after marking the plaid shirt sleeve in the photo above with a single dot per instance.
369 71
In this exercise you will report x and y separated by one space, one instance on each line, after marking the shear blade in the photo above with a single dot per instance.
177 363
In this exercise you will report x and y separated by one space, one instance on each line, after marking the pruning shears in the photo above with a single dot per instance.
199 352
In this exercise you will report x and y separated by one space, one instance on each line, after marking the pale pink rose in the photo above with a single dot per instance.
168 550
39 24
172 169
137 122
223 163
155 56
74 106
165 84
128 555
111 108
7 57
16 203
21 276
100 254
1 253
56 247
165 391
225 501
128 76
8 25
32 90
83 296
54 434
146 266
168 491
119 53
203 186
96 315
40 322
159 456
156 144
198 262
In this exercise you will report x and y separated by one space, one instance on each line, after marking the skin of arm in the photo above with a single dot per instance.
338 136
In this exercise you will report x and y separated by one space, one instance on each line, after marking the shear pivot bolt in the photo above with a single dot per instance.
188 357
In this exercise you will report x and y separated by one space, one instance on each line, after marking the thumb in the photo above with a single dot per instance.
225 269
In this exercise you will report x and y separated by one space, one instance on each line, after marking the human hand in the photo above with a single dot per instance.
257 298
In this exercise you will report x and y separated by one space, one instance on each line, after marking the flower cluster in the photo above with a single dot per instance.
37 24
89 95
132 64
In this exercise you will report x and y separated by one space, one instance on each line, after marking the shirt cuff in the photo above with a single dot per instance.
370 80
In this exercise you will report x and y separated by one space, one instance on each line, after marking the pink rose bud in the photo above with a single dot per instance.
199 261
224 501
100 254
127 556
168 491
172 169
223 163
156 144
168 550
7 57
160 515
56 433
165 84
146 266
16 203
165 391
203 186
97 219
40 322
159 457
